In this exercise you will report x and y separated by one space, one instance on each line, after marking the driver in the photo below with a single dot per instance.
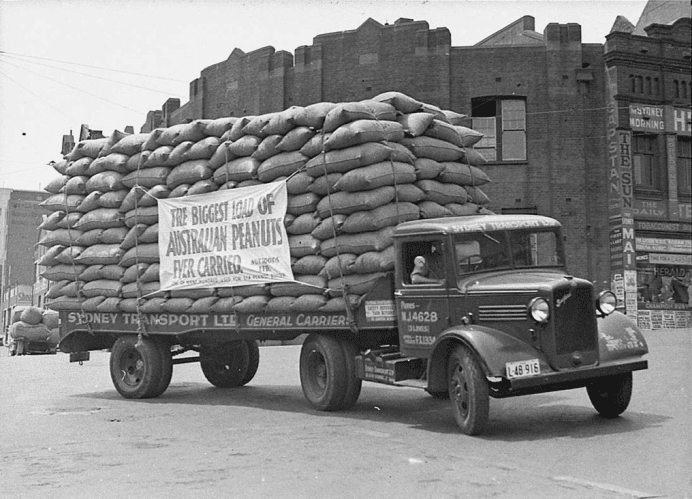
421 271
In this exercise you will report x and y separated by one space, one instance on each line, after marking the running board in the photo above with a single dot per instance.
391 368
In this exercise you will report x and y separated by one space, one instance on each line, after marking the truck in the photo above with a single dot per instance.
497 316
32 331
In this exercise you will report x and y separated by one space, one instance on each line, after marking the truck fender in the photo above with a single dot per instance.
83 341
619 338
493 348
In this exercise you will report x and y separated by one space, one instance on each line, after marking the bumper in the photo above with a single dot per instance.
563 380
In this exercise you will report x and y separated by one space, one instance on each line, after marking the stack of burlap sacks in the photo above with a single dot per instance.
354 170
34 324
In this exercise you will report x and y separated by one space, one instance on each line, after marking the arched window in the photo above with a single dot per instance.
657 87
684 89
633 85
676 89
648 85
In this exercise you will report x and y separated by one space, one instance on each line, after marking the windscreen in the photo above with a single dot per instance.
497 250
536 249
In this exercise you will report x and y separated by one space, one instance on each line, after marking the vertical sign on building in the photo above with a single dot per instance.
628 241
620 203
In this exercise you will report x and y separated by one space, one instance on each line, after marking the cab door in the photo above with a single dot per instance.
422 308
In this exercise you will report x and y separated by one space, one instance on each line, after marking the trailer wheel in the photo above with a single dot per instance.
140 369
323 372
164 349
253 361
468 391
225 365
610 396
353 382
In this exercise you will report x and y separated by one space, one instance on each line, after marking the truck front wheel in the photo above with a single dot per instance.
610 396
324 373
468 391
140 369
230 364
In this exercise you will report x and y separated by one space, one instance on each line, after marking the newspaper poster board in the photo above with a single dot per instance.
225 238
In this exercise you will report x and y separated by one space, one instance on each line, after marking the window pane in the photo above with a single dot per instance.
644 162
637 163
489 153
513 146
684 167
487 146
513 115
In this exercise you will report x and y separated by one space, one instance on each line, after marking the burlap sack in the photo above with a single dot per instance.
429 147
220 126
401 102
376 175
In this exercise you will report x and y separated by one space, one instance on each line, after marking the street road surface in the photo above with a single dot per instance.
67 433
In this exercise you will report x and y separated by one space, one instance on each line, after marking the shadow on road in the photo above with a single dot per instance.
529 418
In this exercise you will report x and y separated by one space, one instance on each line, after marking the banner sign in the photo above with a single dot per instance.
647 118
226 238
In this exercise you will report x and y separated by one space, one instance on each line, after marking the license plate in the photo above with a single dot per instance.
523 368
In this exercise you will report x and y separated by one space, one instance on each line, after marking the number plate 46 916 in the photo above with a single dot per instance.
523 368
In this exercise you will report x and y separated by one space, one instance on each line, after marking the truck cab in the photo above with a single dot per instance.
498 315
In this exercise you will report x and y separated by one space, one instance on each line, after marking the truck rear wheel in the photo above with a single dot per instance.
324 372
353 383
468 391
230 364
610 396
140 369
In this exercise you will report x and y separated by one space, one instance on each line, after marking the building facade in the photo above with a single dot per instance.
20 216
558 117
648 92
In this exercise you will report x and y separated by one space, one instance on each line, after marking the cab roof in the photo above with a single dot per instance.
474 223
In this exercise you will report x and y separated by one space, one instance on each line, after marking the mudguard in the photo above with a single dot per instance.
619 338
494 349
82 341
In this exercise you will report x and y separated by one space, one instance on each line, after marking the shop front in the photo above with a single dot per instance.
664 276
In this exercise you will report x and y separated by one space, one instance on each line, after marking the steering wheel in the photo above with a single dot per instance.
471 262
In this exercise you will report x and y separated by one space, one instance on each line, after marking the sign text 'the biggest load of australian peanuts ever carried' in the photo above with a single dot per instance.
225 238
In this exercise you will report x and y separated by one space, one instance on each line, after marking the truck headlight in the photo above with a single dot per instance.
606 302
539 310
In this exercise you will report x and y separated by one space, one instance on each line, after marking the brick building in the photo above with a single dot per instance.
648 91
20 215
541 99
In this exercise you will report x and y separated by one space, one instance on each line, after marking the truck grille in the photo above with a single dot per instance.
493 313
575 322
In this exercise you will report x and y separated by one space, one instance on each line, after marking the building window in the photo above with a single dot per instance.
648 85
639 84
676 88
684 167
503 125
645 162
657 87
